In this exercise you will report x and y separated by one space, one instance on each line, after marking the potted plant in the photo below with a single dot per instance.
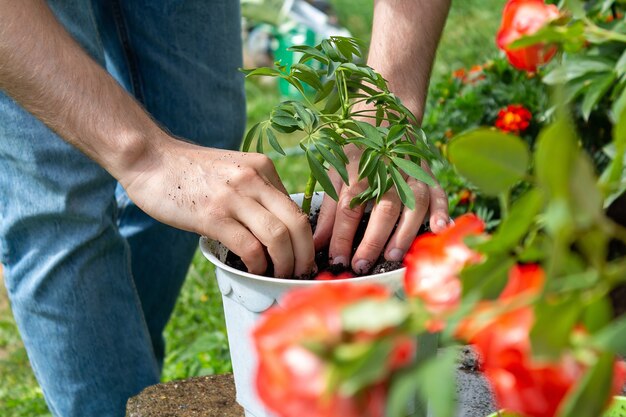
352 105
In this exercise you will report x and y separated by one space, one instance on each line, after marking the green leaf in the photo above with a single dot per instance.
620 66
320 174
333 103
404 191
303 114
492 160
268 72
410 149
611 338
577 67
274 142
367 163
335 162
323 92
310 51
381 315
516 225
364 366
597 314
370 132
555 155
489 277
436 381
590 395
414 170
554 321
245 147
330 51
259 142
308 75
595 91
395 133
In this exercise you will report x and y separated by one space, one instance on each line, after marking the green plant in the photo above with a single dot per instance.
352 105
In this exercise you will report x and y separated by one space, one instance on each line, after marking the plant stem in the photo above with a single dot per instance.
504 204
308 194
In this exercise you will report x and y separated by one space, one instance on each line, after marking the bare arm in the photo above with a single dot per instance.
405 35
234 197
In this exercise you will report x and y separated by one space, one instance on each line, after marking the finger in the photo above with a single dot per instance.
271 232
266 169
382 221
409 223
346 223
298 227
242 243
439 214
326 217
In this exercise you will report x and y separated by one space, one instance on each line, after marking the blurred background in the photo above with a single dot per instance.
196 336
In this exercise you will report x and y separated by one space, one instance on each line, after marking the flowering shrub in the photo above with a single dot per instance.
521 18
533 296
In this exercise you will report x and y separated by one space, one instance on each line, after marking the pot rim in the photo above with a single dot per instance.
205 247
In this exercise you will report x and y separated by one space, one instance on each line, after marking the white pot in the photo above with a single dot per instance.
245 296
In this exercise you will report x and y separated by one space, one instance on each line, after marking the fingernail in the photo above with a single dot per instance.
340 260
441 223
362 266
395 254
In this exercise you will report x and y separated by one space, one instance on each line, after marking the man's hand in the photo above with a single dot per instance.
234 197
337 223
405 34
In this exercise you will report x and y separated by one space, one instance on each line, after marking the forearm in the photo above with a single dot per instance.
405 34
48 73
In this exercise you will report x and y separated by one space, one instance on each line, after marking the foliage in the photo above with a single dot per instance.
534 295
352 105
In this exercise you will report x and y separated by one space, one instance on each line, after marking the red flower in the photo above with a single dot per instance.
466 196
520 383
514 118
521 18
434 263
292 380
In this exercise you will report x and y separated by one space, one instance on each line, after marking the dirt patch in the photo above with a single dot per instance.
207 396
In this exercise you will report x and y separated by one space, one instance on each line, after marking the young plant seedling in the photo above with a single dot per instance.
352 104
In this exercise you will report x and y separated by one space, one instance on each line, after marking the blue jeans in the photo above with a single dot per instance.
91 278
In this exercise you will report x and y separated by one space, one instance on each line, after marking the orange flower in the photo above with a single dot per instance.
434 263
521 18
292 380
520 383
514 118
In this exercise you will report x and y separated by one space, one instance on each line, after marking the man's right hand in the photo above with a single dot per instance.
234 197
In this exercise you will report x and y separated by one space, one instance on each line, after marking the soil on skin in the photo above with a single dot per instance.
206 396
322 260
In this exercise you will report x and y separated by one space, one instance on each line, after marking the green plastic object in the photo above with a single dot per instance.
287 36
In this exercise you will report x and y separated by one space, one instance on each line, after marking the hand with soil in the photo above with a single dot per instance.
337 223
234 197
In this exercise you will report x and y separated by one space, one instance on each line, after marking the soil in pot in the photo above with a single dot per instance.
322 260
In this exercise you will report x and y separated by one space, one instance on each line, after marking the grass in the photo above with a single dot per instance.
196 335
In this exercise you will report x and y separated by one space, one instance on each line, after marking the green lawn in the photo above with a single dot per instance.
196 337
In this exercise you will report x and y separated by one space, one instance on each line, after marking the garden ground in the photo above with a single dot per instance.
196 335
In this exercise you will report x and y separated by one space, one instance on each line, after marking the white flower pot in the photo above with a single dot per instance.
245 296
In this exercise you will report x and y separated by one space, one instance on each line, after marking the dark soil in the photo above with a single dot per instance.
322 259
207 396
